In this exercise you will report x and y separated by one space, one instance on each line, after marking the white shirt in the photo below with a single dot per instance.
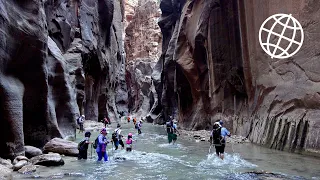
118 131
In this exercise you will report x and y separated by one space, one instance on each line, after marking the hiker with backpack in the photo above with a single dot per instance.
117 137
170 131
129 142
80 122
218 138
83 146
100 145
139 126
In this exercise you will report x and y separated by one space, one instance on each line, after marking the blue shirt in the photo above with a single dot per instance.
224 132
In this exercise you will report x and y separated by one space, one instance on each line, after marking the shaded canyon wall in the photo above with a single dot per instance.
59 59
212 67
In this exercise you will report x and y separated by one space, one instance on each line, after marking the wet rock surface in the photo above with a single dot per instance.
216 70
52 159
28 169
59 59
61 146
5 173
31 151
6 163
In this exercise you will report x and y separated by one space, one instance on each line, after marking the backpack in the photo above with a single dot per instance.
216 136
169 127
81 144
136 126
96 142
78 120
115 135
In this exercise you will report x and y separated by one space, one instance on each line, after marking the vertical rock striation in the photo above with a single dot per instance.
58 59
143 48
213 67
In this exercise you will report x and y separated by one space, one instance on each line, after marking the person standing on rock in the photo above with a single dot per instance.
117 137
102 145
83 146
218 138
80 122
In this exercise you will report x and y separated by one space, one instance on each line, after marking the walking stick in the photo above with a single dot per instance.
91 151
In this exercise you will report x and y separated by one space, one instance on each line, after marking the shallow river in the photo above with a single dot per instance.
153 158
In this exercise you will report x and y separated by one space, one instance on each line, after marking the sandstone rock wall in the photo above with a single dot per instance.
143 48
142 33
213 67
59 59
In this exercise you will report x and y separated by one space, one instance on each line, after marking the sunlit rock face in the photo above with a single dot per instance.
213 68
58 59
143 49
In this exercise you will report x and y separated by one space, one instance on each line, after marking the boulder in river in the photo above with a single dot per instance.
28 169
31 151
5 173
20 164
52 159
19 158
61 146
6 163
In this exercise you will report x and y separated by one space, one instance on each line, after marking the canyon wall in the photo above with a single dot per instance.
59 59
213 68
143 49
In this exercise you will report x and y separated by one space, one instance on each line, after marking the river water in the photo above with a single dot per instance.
152 158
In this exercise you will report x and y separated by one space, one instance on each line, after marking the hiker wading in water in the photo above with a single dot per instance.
218 138
101 145
117 137
129 142
171 131
83 146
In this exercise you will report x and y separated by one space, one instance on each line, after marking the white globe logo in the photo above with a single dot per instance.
283 37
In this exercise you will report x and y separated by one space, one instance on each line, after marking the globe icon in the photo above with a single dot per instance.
281 36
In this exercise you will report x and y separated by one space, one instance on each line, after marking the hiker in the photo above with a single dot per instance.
129 142
117 137
134 122
80 122
218 138
83 146
106 122
139 126
101 145
170 130
128 119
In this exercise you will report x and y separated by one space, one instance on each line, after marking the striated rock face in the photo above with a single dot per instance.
142 33
143 48
214 68
59 59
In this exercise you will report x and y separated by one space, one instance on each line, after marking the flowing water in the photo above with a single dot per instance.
153 158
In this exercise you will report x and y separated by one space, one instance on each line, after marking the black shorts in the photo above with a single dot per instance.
81 126
82 154
129 149
220 149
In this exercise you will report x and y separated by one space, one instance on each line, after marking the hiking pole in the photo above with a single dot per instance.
91 150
